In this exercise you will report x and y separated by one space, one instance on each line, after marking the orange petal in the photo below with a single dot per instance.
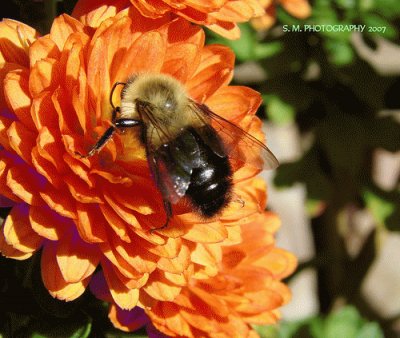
234 102
76 259
79 169
68 122
176 265
15 39
91 224
18 231
207 255
168 319
160 288
214 71
16 92
6 68
126 214
52 277
139 197
181 60
228 30
169 249
59 201
145 54
125 298
25 184
47 223
279 262
22 140
81 191
44 75
213 232
43 48
298 8
63 26
141 260
126 270
92 13
4 189
46 169
115 222
9 251
43 112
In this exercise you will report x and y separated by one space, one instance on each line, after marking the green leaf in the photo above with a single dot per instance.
248 47
380 26
266 50
344 323
346 4
279 111
267 331
380 208
340 52
370 330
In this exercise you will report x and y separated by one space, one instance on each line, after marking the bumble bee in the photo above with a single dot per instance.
187 145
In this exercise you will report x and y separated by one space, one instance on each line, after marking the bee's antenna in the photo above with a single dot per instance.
112 92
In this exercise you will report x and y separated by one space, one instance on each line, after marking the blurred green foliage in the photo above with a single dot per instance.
346 323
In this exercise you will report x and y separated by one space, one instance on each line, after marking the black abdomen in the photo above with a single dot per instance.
211 184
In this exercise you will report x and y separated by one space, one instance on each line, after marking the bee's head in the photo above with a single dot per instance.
158 95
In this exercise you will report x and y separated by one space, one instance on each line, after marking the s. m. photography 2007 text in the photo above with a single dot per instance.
333 28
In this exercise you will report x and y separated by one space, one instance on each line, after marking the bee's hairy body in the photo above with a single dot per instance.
187 156
210 184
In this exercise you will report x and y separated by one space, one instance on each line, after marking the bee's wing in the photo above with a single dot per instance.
237 143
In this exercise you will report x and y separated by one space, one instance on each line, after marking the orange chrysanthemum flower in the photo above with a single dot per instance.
300 9
246 290
84 213
219 16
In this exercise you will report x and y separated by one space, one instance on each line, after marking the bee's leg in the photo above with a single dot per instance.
100 143
168 211
118 124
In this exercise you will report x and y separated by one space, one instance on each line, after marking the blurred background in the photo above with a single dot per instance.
329 74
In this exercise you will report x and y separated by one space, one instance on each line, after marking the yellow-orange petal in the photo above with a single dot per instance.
77 260
15 40
169 320
279 262
215 70
47 223
59 201
44 75
177 264
9 251
4 189
228 30
160 288
22 140
298 8
52 277
92 13
24 183
62 27
18 232
125 298
213 232
91 224
43 48
16 91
